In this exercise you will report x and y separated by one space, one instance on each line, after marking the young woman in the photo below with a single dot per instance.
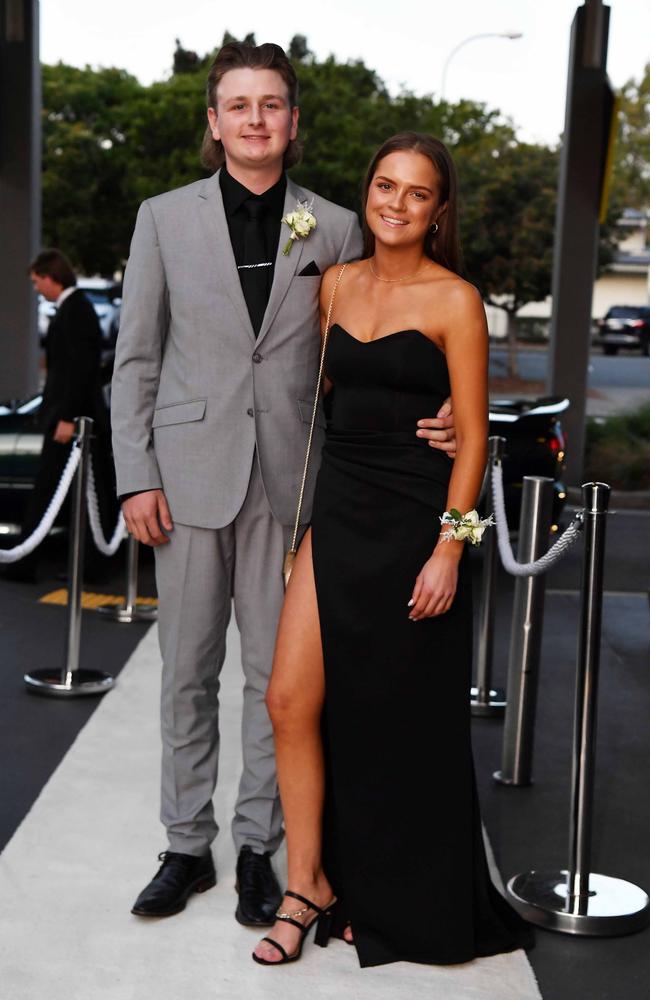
377 621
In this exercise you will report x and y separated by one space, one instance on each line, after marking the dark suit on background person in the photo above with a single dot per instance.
72 389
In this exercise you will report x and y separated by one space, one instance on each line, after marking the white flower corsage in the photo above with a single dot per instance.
300 222
464 527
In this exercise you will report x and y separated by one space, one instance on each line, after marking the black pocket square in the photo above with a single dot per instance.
311 269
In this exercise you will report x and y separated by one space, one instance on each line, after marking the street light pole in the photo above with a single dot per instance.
512 35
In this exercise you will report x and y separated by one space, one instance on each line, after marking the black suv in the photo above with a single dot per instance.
624 326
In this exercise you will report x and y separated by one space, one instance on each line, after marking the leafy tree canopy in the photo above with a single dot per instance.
632 154
109 142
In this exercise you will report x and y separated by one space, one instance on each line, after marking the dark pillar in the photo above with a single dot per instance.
20 193
586 132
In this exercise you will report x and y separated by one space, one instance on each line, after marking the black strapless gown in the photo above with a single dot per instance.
403 845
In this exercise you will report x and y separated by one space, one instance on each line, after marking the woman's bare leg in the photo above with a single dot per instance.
295 701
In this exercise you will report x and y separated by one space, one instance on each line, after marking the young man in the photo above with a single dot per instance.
212 394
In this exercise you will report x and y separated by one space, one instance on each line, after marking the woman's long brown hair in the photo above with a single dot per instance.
444 246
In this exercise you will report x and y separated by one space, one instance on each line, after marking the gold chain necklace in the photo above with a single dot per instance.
391 281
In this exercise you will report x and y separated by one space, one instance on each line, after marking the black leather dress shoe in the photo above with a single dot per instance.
177 878
259 891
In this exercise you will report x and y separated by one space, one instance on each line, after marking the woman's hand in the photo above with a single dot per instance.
435 586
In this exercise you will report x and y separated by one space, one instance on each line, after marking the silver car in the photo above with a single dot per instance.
105 297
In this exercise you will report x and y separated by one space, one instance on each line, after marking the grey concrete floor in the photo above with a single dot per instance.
528 827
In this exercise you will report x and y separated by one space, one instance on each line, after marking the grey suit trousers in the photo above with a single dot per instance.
200 573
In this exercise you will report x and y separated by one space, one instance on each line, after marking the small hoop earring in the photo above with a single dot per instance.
433 228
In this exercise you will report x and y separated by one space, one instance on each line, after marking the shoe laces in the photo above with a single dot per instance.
171 859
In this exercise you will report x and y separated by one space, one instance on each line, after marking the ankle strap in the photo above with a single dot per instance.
303 899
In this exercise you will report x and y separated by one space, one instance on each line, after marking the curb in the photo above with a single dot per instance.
619 499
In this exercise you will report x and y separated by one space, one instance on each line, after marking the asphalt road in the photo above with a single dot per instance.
623 371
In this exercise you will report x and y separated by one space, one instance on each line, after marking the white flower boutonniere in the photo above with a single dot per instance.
300 222
461 527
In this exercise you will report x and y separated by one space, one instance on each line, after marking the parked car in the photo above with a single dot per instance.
535 446
107 302
624 326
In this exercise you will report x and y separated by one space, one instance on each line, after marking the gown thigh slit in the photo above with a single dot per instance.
402 831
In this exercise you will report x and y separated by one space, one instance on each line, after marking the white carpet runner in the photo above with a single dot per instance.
70 874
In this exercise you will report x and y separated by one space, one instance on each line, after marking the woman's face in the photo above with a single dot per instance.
403 198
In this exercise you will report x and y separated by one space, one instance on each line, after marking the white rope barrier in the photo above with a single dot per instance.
53 508
106 548
510 564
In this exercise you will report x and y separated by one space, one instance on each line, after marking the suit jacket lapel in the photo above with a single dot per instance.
285 267
213 218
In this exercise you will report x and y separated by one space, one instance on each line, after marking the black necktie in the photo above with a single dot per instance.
255 267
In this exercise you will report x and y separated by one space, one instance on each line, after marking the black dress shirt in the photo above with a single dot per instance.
234 195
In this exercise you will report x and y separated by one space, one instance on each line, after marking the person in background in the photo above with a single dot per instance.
72 388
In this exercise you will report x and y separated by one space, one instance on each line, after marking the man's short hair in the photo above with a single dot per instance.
240 55
55 265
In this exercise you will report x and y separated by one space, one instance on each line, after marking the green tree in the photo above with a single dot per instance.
299 50
110 142
88 195
185 60
508 227
347 112
631 180
508 222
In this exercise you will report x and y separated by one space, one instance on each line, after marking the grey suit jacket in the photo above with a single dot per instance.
193 392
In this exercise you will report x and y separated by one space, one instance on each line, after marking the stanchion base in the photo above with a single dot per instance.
613 906
511 782
136 613
84 682
494 708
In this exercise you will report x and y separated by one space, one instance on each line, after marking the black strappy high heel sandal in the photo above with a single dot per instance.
323 921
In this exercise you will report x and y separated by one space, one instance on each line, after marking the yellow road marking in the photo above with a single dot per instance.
90 601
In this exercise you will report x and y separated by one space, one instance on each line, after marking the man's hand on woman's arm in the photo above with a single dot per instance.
146 515
439 430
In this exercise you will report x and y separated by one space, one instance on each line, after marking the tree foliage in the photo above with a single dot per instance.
109 142
632 154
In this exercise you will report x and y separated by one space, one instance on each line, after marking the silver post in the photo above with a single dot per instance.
578 901
526 635
486 700
131 573
596 501
76 549
72 680
133 610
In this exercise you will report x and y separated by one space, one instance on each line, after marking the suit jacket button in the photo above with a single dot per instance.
250 412
257 358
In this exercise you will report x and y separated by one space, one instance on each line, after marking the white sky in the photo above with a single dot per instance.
405 41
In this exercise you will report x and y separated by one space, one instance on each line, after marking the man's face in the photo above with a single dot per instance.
253 118
45 286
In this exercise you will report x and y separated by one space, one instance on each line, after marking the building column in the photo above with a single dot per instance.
584 145
20 194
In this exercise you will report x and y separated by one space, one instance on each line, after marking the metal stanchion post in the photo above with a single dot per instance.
133 611
526 635
578 901
486 700
74 680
